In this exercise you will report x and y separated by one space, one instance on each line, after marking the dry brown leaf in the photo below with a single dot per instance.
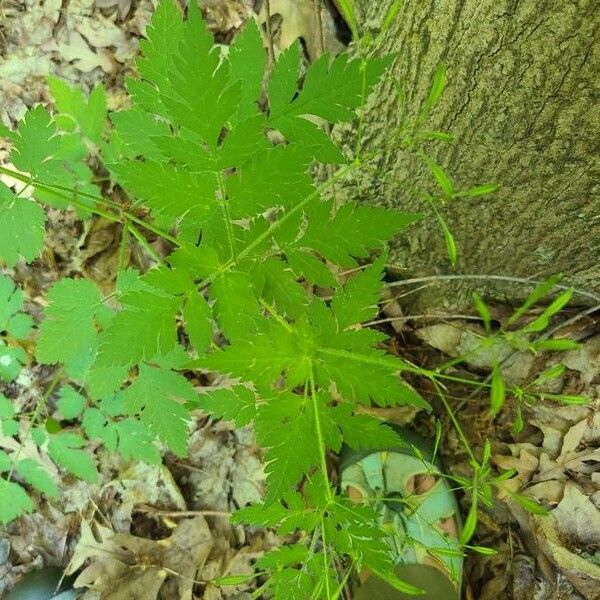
526 465
581 572
585 360
123 6
584 432
126 567
74 49
298 19
549 492
577 518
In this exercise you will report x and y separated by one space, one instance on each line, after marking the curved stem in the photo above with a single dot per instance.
507 278
123 214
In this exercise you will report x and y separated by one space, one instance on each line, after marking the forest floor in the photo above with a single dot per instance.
556 455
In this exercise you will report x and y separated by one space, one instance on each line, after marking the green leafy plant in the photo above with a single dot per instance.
251 235
251 239
531 336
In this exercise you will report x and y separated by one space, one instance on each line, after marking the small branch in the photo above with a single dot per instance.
424 316
144 243
180 513
317 5
269 32
520 280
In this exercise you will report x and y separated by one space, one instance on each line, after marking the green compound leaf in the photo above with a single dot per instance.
35 475
281 289
198 94
137 442
36 144
235 304
333 235
358 300
363 432
169 191
11 361
68 334
13 501
254 189
283 83
51 159
248 61
8 426
311 268
164 33
197 316
97 426
12 320
262 357
363 376
137 131
6 407
78 114
157 396
66 450
5 462
280 424
332 90
143 330
128 437
237 404
22 222
70 402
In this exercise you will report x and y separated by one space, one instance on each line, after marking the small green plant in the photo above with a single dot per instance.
250 238
251 235
515 337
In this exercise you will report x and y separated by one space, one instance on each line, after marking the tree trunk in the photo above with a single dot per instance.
522 102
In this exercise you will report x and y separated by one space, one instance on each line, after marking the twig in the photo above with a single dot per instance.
317 5
424 316
269 32
180 513
573 319
520 280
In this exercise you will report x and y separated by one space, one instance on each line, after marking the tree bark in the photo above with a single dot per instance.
523 104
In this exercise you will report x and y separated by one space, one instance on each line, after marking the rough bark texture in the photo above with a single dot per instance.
523 103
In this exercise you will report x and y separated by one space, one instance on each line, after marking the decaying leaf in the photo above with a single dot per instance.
524 460
299 19
577 518
75 48
122 566
579 570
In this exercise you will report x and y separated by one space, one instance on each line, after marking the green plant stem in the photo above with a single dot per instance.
276 315
144 243
455 423
440 316
226 214
319 432
274 226
99 199
325 558
124 245
35 415
361 114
